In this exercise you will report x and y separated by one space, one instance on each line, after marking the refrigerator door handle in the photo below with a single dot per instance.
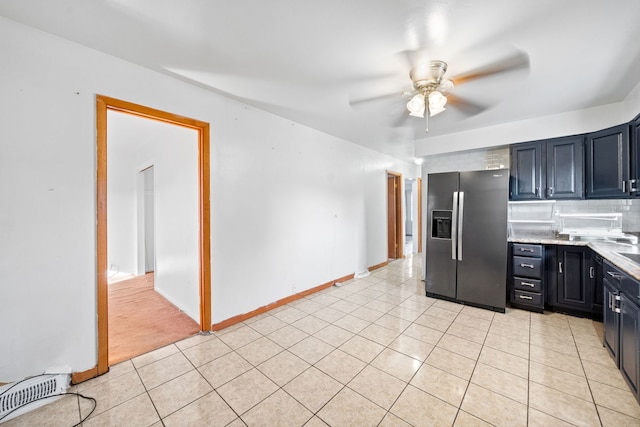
454 226
460 217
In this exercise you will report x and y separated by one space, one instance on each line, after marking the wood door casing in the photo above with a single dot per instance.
103 104
392 219
419 181
394 215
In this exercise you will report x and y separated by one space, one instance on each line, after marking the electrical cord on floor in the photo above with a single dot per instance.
95 403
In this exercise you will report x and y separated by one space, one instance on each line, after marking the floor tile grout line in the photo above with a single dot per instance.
595 405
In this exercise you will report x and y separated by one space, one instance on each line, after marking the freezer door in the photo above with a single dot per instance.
440 253
482 270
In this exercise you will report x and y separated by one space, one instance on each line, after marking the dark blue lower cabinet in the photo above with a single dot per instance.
629 341
611 320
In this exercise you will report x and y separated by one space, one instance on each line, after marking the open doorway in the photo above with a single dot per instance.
410 217
394 215
152 232
149 260
146 221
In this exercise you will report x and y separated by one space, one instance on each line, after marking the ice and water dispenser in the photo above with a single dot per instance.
441 224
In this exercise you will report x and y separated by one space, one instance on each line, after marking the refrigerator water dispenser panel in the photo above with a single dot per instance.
441 224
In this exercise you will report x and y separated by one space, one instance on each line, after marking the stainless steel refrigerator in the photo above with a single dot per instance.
466 245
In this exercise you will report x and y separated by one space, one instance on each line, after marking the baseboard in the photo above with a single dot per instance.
377 266
170 299
242 317
78 377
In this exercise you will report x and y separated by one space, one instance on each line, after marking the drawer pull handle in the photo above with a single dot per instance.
525 297
614 275
523 265
526 250
528 284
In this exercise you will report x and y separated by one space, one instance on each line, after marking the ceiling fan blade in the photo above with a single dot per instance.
385 97
467 107
410 57
512 62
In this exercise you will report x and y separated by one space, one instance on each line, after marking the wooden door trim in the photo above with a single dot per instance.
103 104
419 189
399 218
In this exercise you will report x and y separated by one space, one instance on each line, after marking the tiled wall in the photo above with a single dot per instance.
497 158
630 210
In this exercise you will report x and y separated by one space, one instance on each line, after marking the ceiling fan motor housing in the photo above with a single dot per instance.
428 76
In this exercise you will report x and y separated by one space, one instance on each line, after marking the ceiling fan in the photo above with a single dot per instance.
432 89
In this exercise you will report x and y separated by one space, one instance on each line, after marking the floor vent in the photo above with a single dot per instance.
15 397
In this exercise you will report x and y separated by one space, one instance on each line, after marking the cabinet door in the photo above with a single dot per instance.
610 320
526 171
607 163
598 293
565 160
629 329
635 158
574 285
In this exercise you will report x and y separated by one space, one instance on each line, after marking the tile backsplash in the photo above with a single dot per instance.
629 208
497 158
549 210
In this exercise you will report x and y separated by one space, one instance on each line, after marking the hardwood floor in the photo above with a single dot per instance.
141 320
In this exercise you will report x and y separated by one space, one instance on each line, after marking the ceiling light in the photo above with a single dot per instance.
446 86
437 101
416 105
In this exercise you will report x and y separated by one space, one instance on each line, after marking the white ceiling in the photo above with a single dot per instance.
305 60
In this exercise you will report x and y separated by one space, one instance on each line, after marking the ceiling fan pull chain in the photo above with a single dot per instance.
426 115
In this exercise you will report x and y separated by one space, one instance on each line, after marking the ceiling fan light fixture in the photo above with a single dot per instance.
437 101
446 86
416 105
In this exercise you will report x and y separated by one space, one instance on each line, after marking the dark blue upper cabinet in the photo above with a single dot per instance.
607 163
526 171
549 169
565 159
635 158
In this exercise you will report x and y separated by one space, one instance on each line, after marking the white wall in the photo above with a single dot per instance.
631 104
291 207
134 144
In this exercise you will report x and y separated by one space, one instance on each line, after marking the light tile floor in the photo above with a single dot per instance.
374 351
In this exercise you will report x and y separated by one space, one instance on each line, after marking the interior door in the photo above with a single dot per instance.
392 219
394 215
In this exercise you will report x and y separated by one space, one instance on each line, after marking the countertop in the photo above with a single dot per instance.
608 250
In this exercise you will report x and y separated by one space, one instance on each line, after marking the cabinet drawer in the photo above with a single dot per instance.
527 267
631 288
520 249
529 285
528 298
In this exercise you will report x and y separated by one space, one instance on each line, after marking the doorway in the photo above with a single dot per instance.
394 215
103 105
146 221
